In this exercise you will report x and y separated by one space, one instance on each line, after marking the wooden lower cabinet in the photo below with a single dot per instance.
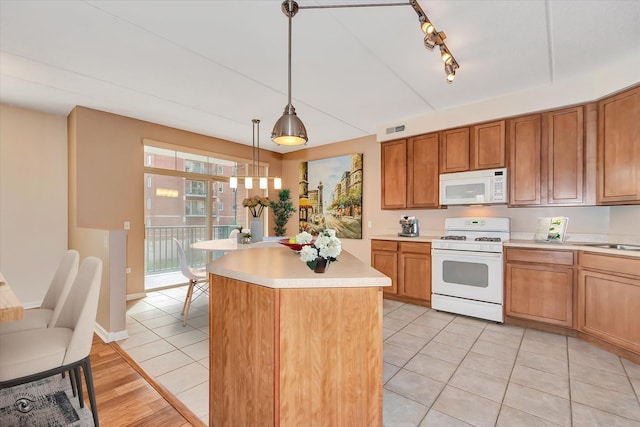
539 285
609 299
408 264
294 357
415 270
384 258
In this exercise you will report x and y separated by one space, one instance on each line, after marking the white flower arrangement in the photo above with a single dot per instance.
326 245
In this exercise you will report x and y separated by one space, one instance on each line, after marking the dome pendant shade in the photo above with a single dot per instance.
289 129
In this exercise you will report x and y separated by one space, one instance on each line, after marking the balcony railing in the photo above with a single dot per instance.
161 252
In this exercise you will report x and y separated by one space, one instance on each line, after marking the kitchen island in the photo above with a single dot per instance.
290 347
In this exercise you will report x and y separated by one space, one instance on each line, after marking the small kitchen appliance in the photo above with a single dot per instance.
410 227
474 187
467 269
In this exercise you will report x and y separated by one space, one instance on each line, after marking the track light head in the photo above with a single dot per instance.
427 27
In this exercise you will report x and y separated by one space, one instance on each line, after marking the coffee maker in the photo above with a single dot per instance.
410 227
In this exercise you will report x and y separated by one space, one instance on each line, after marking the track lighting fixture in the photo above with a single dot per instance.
262 180
289 129
434 38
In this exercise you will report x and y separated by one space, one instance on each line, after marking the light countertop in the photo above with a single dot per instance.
527 243
280 267
395 237
574 246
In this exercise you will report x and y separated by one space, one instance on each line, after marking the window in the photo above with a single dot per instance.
220 170
194 208
195 188
220 187
194 167
148 182
220 206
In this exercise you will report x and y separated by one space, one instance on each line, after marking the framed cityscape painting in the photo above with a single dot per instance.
331 196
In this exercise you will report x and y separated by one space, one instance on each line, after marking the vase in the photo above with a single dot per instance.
322 264
256 229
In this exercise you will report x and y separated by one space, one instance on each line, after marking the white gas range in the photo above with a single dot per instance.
466 267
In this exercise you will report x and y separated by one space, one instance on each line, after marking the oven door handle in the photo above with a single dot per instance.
458 253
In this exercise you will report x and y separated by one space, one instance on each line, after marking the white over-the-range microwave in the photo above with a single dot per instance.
474 187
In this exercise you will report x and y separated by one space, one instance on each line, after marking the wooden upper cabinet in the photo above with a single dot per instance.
454 150
410 173
525 149
546 158
394 174
564 156
487 148
478 147
618 164
423 180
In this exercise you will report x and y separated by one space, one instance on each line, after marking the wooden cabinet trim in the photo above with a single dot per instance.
543 256
384 245
416 247
610 263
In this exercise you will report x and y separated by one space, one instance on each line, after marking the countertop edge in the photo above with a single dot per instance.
573 246
279 268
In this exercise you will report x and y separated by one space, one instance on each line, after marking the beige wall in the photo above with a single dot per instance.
106 186
33 199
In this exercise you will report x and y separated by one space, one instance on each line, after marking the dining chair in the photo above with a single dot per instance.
198 282
51 306
34 354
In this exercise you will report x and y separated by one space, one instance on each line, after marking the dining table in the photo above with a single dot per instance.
10 306
228 245
222 245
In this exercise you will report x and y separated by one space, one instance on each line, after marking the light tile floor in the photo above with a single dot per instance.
439 369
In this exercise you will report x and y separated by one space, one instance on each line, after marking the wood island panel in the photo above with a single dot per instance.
242 353
330 357
292 357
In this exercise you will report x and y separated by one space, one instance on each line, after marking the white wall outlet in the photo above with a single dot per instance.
369 224
128 270
127 225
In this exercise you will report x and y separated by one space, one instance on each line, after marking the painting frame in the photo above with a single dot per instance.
330 195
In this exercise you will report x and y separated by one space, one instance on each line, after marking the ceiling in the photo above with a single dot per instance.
211 66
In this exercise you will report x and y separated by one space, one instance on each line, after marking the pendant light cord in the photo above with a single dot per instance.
289 59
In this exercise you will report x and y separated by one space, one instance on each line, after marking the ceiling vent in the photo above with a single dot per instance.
395 129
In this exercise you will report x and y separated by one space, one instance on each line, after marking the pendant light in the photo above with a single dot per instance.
289 129
263 181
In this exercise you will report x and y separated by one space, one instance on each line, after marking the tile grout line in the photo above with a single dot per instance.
513 367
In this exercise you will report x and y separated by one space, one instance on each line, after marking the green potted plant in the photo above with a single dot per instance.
282 211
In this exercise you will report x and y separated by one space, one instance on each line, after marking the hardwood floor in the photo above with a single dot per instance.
125 395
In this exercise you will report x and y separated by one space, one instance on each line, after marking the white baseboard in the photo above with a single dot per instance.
110 336
139 295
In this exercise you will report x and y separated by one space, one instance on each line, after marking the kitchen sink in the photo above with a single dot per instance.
611 246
